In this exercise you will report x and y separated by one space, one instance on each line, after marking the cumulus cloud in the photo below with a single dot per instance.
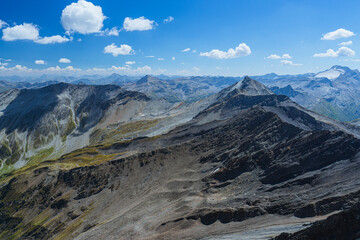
138 24
186 50
71 71
339 33
124 49
196 69
110 32
64 60
288 62
82 17
58 69
3 63
2 24
345 43
341 52
130 62
129 70
52 40
29 31
173 58
239 51
275 56
160 59
25 31
286 56
17 68
169 19
40 62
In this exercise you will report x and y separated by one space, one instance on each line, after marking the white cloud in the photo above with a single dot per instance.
130 62
52 40
40 62
129 70
71 71
286 56
275 56
3 63
82 17
64 60
150 56
341 52
173 58
186 50
160 59
239 51
110 32
17 68
196 69
25 31
169 19
339 33
345 43
288 62
57 69
218 68
124 49
138 24
3 24
29 31
194 51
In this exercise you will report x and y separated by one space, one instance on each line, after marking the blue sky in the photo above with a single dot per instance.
132 37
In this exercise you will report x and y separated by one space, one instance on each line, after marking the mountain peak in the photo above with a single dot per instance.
340 67
332 73
146 79
251 87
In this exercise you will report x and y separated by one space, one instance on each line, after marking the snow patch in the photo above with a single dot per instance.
330 74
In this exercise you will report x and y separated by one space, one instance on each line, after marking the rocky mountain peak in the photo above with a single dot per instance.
146 79
333 72
250 87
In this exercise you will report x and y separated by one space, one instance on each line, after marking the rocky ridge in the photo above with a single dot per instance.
244 158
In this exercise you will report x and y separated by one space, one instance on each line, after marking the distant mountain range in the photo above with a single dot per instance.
333 92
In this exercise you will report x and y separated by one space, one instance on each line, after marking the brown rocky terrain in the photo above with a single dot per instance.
247 163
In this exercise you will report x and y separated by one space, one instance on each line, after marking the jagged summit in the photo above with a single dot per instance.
146 79
249 87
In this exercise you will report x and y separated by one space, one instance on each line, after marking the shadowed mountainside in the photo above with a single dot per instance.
243 163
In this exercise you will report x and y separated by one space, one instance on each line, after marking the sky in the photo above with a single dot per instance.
197 37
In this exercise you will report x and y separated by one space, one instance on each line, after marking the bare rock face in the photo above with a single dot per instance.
342 226
245 161
44 123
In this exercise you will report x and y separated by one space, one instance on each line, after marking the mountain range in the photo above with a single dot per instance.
332 92
101 161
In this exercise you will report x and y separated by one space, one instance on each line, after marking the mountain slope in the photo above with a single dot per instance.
44 123
252 164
